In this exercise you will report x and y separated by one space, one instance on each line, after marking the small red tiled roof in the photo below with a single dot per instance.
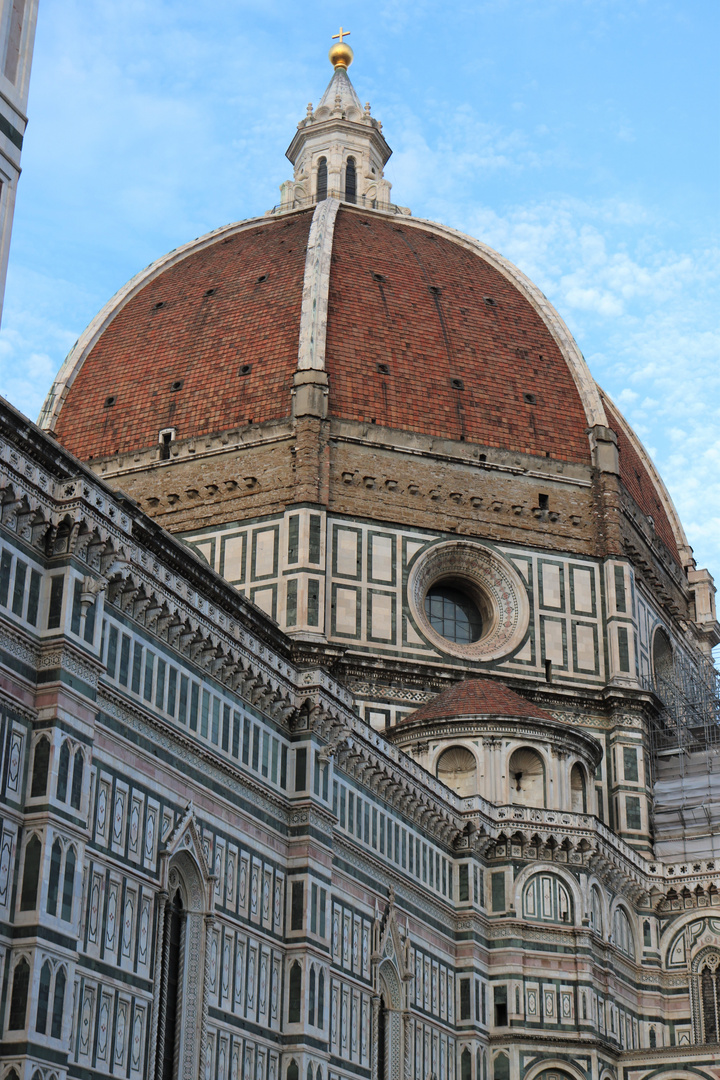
477 697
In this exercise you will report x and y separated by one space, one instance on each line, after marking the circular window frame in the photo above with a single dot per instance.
493 584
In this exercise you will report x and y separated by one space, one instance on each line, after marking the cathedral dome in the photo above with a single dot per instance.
339 297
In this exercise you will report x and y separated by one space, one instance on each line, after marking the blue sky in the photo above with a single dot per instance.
578 137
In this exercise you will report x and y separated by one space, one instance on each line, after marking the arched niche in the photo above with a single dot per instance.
457 768
662 659
546 898
578 789
526 777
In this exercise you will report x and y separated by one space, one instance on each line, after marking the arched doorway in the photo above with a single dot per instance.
181 971
389 1024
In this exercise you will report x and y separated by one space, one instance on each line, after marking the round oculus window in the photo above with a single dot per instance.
468 601
453 613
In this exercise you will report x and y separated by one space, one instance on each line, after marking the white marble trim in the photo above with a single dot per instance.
316 287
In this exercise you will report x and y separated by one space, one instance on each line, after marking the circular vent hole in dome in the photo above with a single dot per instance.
457 384
209 292
110 401
177 384
378 277
530 399
160 303
489 300
384 369
245 369
263 277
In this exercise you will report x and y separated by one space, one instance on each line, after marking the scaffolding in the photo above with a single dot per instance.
688 722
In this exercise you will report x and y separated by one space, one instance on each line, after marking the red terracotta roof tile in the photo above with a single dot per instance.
640 484
477 697
200 339
418 302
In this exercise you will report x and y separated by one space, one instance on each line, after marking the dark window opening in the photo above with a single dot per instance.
452 614
543 501
18 998
63 772
297 905
530 399
41 762
110 401
500 1003
166 437
68 886
350 181
457 384
262 277
489 300
322 178
209 292
160 303
177 385
295 994
58 1005
77 780
378 277
56 598
384 369
245 369
43 999
54 879
31 875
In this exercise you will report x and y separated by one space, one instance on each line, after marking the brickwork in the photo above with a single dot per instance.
232 305
635 477
434 312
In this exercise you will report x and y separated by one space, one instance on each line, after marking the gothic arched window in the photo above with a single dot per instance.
54 879
77 780
31 874
292 1071
466 1065
58 1005
68 886
322 179
622 933
63 770
311 1000
41 761
18 998
350 181
43 999
709 999
321 1000
294 994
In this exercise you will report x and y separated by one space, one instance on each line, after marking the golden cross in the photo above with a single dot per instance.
341 35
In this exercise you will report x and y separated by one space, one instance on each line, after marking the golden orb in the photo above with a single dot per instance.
341 55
